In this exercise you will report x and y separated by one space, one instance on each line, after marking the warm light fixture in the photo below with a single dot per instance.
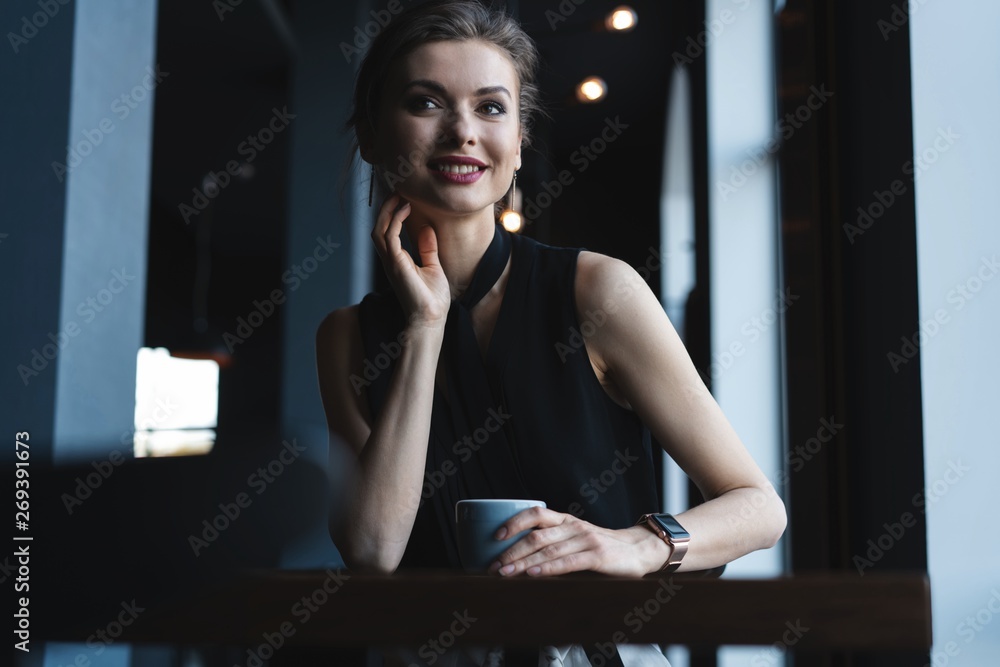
622 19
511 220
592 89
509 217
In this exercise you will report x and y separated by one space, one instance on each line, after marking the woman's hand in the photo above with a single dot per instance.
563 543
423 291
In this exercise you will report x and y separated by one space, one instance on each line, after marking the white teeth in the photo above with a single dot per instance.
457 168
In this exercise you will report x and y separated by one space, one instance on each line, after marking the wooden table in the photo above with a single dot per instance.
335 608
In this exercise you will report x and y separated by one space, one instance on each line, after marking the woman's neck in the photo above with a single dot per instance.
462 241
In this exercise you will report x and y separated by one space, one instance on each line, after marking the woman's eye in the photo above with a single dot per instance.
493 108
422 103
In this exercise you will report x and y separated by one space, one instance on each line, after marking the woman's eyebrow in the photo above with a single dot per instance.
438 88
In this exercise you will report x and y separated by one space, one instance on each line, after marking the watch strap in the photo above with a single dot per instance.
678 542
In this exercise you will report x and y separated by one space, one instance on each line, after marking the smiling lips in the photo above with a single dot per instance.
458 169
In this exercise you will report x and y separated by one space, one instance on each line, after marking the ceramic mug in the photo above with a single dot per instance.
478 521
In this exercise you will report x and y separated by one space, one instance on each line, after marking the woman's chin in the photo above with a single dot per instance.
451 207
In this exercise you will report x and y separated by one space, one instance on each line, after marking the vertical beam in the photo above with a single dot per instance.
107 202
859 291
37 64
77 200
73 239
326 214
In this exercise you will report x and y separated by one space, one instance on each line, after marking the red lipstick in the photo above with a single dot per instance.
460 169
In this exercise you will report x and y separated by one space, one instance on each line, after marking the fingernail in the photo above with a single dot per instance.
506 569
502 532
532 571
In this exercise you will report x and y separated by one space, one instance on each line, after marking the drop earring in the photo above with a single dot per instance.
510 218
371 186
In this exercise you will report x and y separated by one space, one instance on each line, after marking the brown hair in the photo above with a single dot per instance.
444 20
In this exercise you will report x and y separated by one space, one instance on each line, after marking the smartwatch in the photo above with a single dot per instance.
671 532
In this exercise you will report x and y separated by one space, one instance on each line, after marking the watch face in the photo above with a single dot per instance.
670 526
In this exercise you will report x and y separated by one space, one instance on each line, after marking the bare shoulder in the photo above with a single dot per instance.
339 323
599 277
601 283
338 335
339 359
605 289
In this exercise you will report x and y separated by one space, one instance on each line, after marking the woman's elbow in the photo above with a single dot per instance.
372 565
777 517
365 561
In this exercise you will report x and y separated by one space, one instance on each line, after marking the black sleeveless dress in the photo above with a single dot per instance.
532 420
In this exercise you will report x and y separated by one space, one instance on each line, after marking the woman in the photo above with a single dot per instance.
471 377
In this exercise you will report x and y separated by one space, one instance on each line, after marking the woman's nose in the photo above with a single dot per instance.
459 128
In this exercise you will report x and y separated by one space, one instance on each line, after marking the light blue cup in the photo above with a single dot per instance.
478 521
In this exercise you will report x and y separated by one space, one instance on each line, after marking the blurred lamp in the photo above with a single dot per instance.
622 19
592 89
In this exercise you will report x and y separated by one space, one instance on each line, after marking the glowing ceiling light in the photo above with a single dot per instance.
592 89
622 19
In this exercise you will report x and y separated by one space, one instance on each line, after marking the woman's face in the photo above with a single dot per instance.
448 136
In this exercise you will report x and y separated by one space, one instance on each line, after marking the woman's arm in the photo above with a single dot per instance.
643 357
391 453
391 449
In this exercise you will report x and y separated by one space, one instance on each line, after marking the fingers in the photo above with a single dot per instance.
533 517
574 562
549 546
427 246
388 225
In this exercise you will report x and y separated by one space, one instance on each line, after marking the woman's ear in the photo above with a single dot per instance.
517 155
